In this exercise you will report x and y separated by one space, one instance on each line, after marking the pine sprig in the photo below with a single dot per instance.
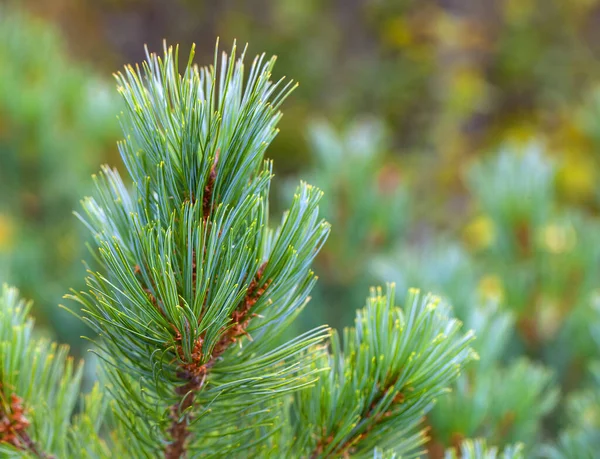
39 390
393 365
191 269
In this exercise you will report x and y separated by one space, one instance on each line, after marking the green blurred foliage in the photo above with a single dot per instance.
57 122
367 206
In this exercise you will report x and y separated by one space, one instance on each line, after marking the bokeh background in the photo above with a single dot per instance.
457 142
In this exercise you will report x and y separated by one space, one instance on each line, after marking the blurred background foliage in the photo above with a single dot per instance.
57 123
457 141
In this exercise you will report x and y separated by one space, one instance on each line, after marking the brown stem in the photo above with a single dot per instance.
178 429
31 446
209 188
13 425
195 373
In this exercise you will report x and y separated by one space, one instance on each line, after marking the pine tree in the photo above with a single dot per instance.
191 288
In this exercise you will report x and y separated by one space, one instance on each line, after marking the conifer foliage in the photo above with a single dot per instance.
190 264
191 289
39 390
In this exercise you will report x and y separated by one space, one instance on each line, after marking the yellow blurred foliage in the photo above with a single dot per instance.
519 10
480 233
558 238
571 136
576 179
6 232
462 33
396 32
521 132
468 90
549 318
449 30
491 288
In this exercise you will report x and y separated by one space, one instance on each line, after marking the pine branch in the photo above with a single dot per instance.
39 388
395 363
195 286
